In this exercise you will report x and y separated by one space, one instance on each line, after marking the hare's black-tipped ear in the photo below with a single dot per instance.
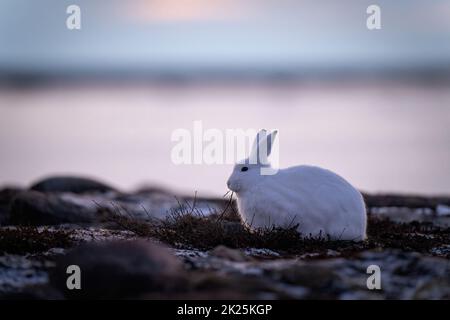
262 147
270 141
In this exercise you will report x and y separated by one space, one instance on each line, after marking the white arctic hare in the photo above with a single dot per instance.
321 202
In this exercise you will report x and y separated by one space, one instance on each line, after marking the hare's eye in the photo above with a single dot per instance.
243 169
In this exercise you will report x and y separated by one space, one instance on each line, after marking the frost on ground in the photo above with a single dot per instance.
17 272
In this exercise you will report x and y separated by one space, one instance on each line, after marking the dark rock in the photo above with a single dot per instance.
409 201
36 208
6 197
120 270
208 285
70 184
153 189
312 276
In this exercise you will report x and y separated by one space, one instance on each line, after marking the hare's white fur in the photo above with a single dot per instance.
321 202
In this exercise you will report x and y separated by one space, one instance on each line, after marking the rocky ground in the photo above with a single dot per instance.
152 243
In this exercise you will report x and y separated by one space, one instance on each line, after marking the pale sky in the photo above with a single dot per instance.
246 35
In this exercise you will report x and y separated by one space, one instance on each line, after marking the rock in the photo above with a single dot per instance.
314 276
409 201
405 275
36 208
230 287
147 190
70 184
229 254
6 197
262 253
16 272
116 270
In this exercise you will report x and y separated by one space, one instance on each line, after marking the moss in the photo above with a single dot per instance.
24 240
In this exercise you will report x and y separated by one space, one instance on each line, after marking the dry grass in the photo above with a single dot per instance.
189 228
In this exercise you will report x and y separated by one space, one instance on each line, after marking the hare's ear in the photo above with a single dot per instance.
270 141
261 137
265 144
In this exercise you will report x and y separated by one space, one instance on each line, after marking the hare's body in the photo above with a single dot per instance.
318 200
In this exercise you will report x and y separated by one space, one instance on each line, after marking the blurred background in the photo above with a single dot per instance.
103 101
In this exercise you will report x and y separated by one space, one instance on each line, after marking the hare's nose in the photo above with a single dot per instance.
233 186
